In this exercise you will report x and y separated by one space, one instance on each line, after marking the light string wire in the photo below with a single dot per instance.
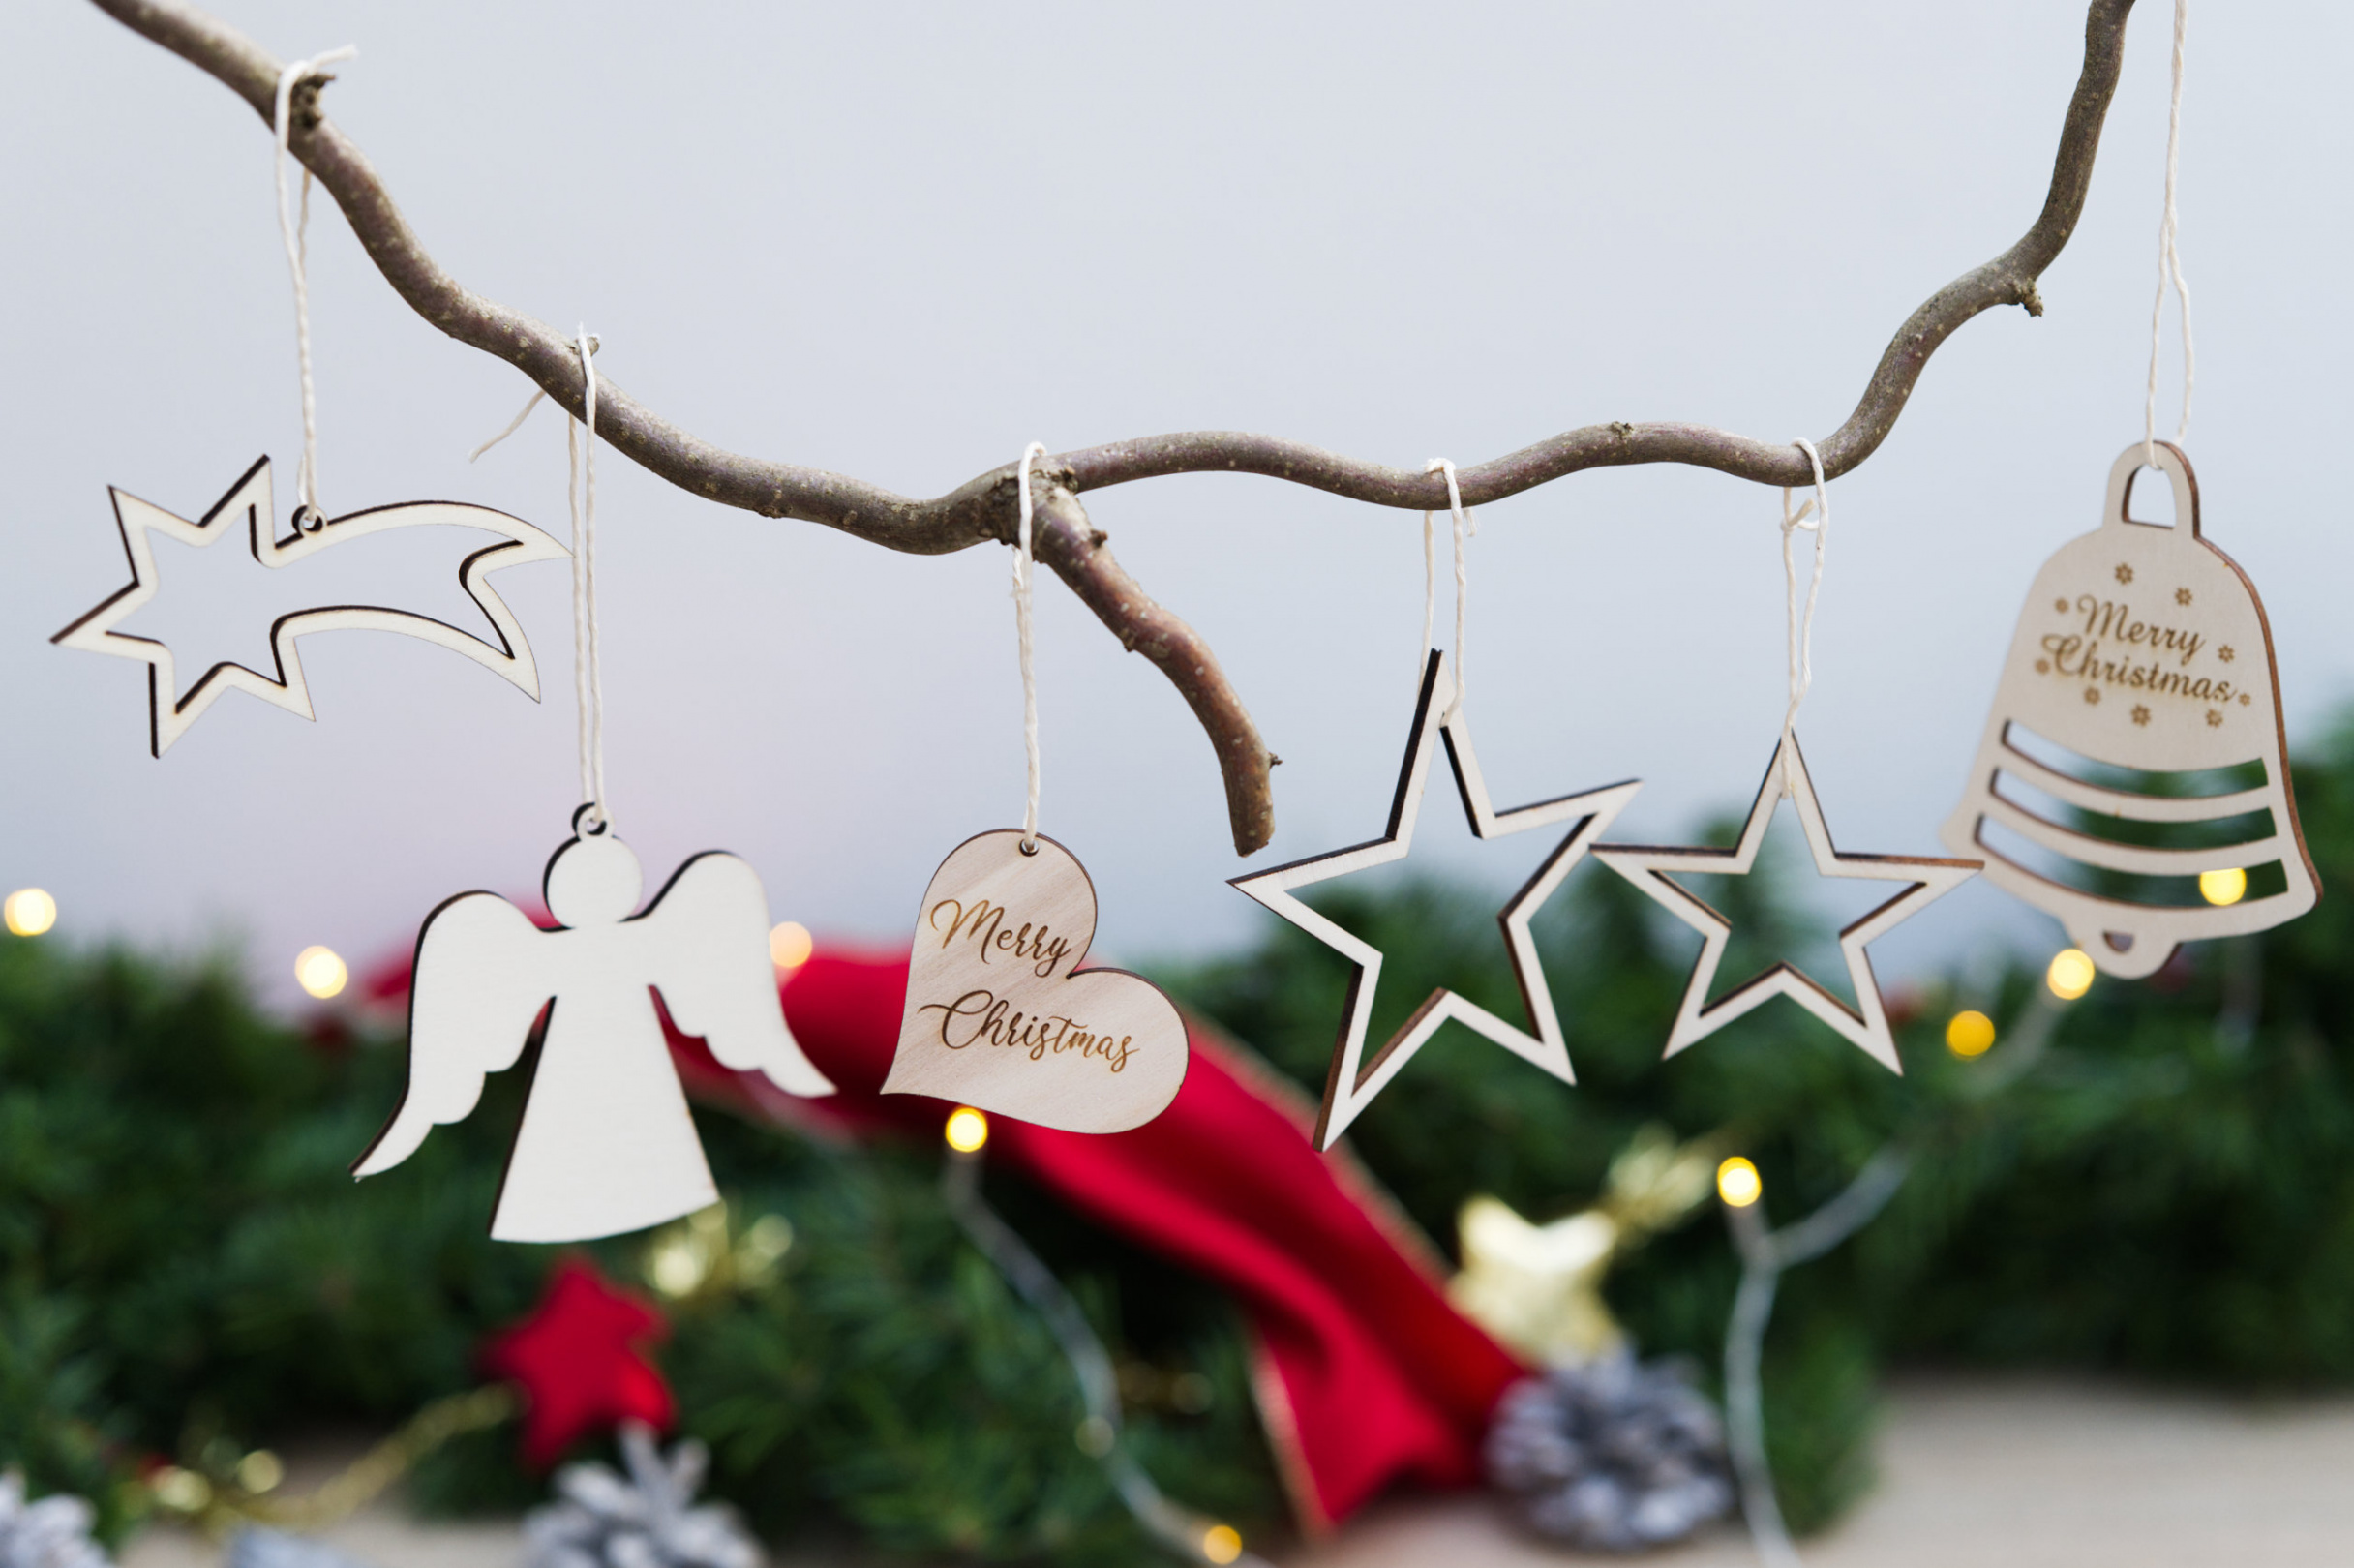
1815 517
1193 1536
2170 261
1022 561
1466 525
1767 1254
587 638
293 231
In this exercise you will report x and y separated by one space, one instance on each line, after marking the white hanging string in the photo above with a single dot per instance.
588 643
1021 622
515 424
2169 259
1814 516
306 477
588 678
1466 525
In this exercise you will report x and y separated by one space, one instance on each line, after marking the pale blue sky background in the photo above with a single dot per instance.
901 241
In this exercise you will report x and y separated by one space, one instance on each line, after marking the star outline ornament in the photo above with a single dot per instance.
171 712
1649 867
1352 1082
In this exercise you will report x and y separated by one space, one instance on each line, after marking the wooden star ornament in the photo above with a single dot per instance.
170 712
1653 868
1353 1082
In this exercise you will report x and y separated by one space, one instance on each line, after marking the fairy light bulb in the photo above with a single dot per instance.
2071 974
1737 1182
1968 1033
29 912
1221 1543
320 972
2223 888
967 1130
790 944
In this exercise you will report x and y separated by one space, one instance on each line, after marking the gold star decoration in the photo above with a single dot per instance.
1537 1288
1652 868
170 712
1353 1082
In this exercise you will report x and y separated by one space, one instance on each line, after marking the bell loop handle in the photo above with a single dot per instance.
2175 465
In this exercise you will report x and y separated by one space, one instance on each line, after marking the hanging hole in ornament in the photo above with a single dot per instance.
587 823
2150 498
1028 846
309 519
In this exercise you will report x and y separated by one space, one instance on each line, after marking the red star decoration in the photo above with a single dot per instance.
577 1361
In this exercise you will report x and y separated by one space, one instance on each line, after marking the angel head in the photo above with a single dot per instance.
593 879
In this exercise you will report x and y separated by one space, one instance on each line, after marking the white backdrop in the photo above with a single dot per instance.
901 241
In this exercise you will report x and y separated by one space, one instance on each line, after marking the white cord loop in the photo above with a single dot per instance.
1466 525
2170 261
308 516
1814 516
1029 653
588 643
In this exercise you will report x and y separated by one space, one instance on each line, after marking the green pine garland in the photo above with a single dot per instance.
187 1270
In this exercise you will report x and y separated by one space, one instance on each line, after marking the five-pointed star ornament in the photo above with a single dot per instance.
170 712
1353 1081
1653 869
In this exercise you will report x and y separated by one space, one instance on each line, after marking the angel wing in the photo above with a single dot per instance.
480 979
707 937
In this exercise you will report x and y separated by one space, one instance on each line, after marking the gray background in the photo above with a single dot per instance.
901 241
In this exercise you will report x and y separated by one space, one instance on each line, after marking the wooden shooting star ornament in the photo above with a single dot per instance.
1353 1081
1654 869
246 512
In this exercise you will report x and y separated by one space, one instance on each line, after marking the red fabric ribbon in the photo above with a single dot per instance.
1365 1374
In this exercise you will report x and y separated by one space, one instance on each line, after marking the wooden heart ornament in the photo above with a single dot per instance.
1001 1017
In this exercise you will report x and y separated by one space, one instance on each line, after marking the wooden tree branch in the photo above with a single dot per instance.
984 509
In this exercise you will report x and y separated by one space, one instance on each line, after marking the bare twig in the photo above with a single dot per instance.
984 509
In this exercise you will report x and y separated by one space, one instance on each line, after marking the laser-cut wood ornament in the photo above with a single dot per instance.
999 1013
1653 869
170 712
2144 646
1352 1082
607 1144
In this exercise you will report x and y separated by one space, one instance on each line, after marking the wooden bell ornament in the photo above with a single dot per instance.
2144 647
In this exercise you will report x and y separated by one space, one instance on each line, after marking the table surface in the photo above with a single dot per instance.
2024 1473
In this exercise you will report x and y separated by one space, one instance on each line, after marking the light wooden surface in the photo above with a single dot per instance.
1655 868
1979 1474
2008 1475
1353 1082
170 712
607 1144
1000 1015
2141 647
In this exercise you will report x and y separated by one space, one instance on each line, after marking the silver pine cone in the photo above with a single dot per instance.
647 1519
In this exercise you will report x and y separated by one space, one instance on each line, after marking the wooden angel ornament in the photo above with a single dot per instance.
2142 650
607 1144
